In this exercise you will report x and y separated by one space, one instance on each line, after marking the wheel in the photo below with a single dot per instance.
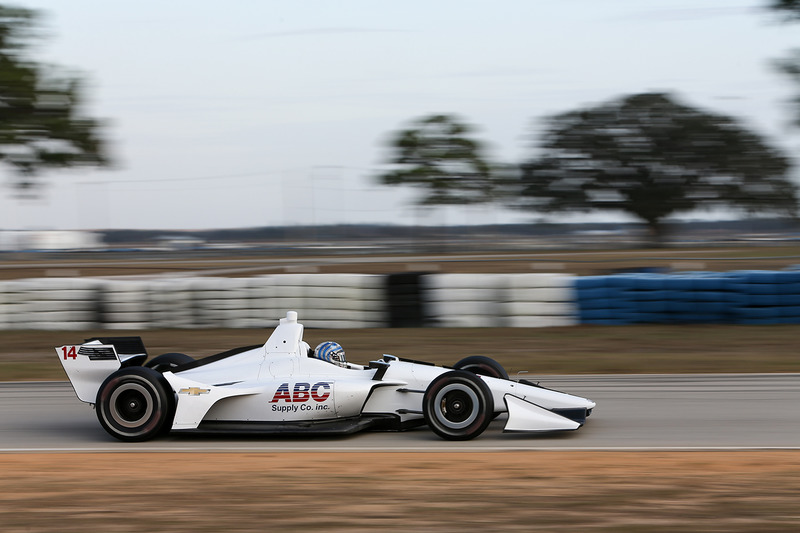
483 366
135 404
458 405
168 361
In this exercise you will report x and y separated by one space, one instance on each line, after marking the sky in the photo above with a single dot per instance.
277 112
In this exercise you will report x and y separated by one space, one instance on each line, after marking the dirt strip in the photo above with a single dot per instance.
338 491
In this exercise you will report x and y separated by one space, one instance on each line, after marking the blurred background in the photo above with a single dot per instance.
278 114
273 149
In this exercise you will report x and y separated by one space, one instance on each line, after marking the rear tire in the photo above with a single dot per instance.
135 404
168 361
458 405
483 366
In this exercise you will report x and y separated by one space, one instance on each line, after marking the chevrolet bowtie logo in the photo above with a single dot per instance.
194 391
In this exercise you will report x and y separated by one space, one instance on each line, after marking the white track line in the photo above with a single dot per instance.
399 449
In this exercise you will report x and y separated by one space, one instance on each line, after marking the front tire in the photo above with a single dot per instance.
135 404
483 366
458 405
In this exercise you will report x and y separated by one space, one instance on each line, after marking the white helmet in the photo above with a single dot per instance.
331 352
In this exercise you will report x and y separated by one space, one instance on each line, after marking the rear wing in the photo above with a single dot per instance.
87 365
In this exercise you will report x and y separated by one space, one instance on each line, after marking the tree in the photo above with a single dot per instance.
789 8
436 154
650 156
790 66
40 123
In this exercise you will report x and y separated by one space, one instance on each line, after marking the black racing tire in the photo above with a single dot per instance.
168 361
135 404
483 366
458 405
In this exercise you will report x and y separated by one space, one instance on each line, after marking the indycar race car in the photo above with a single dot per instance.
280 387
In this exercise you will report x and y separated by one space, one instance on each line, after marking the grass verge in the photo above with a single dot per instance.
509 491
29 355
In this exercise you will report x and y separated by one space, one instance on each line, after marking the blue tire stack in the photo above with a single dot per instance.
739 297
699 298
604 300
766 297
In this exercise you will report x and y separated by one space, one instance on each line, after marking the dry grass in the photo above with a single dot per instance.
29 355
513 491
468 260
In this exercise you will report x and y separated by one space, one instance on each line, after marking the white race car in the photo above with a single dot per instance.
280 387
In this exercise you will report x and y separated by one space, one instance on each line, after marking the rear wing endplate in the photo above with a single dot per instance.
87 365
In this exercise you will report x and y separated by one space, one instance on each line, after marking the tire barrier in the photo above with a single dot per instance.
464 300
172 303
125 304
766 297
324 300
330 300
402 300
50 303
405 305
539 300
229 302
738 297
500 300
603 300
698 298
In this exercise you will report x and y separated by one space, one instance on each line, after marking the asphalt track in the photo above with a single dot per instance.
634 412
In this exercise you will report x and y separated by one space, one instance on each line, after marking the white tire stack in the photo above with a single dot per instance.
50 304
331 300
172 305
126 304
464 300
539 300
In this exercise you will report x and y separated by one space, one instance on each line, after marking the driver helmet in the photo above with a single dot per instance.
331 352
